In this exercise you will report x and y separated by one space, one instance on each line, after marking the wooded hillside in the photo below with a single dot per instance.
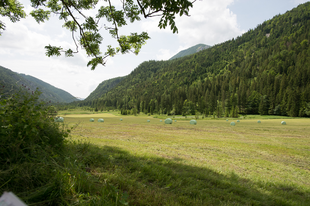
264 71
11 82
104 87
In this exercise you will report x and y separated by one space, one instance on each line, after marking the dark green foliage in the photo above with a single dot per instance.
103 88
28 137
26 127
255 73
39 166
11 82
58 94
11 9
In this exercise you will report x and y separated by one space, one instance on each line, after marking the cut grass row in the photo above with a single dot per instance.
211 163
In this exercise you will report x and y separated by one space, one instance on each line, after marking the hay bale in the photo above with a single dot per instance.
91 120
226 120
168 121
258 121
284 123
100 120
232 123
175 120
148 120
238 120
161 120
194 122
59 119
121 119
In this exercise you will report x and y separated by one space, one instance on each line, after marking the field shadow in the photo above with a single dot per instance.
160 181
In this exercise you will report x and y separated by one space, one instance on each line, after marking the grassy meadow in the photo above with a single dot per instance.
211 163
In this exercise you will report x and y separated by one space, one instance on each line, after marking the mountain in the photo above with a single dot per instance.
264 71
107 85
104 87
11 82
191 50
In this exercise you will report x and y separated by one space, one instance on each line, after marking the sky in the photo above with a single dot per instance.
210 22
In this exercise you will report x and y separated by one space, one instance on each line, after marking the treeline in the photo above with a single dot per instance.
265 71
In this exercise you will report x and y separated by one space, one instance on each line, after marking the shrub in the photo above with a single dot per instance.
40 167
26 127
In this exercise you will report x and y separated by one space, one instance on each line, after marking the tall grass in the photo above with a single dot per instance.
211 163
39 165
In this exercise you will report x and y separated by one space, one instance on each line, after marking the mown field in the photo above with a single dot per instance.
211 163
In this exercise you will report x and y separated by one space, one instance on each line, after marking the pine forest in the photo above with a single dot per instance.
265 71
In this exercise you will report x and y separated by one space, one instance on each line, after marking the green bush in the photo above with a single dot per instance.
39 166
26 127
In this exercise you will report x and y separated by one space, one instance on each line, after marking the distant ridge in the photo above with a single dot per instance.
191 50
11 82
104 87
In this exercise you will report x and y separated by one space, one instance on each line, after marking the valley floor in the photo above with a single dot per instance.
211 163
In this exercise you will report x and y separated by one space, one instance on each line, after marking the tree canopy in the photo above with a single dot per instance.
82 18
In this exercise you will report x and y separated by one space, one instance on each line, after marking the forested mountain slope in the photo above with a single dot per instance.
11 82
191 50
104 87
264 71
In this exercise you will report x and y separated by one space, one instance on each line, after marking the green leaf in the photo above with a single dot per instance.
52 51
69 53
40 15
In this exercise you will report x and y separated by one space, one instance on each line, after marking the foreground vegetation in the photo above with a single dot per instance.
136 162
39 164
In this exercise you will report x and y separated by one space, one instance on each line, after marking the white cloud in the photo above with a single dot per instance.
211 22
164 54
27 41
